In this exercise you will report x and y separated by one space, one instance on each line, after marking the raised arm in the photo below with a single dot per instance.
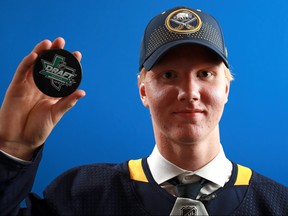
27 116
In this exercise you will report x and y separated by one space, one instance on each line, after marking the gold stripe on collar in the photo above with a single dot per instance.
136 170
243 176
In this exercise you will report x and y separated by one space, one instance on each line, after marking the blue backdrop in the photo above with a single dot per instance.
110 124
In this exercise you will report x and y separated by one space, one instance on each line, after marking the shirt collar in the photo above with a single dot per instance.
217 171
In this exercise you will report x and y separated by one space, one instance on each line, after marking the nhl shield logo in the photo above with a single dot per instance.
188 207
189 211
183 21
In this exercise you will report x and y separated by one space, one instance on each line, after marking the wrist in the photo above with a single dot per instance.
18 151
24 162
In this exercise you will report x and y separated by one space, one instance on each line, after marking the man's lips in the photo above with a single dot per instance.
189 112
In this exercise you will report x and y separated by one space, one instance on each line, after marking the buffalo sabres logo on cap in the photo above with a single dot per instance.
183 21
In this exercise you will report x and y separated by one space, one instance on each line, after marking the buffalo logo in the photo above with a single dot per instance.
183 21
58 72
189 211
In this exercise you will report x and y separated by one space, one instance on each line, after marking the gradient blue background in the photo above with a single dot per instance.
110 124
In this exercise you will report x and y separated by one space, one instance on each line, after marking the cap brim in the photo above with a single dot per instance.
156 56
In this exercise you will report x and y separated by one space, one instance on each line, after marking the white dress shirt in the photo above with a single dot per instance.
218 172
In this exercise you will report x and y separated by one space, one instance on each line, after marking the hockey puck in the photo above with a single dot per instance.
57 73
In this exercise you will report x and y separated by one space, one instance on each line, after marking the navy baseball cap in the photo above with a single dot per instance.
178 26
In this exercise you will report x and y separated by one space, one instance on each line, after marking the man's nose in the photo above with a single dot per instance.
189 91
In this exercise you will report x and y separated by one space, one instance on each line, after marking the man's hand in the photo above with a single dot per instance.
27 116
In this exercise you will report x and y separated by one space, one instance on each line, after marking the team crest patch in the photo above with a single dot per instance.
189 211
183 21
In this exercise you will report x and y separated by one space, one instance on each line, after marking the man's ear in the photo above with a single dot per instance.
227 89
142 93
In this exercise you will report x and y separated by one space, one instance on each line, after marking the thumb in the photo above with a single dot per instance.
65 104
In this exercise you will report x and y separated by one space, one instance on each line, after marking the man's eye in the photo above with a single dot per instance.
169 75
204 74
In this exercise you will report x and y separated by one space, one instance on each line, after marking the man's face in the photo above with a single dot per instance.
186 93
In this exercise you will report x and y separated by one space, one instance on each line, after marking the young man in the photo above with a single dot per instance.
184 81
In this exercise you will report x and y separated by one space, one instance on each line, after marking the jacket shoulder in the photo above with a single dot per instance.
86 188
94 174
264 197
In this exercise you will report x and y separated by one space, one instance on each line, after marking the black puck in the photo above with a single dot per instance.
57 73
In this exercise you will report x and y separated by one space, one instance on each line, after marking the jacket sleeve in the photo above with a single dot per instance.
16 181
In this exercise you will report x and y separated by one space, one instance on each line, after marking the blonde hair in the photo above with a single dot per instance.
228 74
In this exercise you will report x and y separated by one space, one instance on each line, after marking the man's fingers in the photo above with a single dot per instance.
65 104
24 66
42 46
58 43
28 61
78 55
